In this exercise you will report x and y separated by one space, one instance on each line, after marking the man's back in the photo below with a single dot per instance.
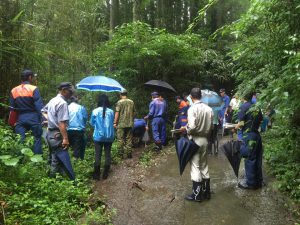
126 109
78 116
199 120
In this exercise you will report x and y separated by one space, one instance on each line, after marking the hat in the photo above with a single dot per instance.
154 94
26 73
177 97
66 85
222 90
123 91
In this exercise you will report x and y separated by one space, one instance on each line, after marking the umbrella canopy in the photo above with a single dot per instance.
211 98
160 85
64 158
99 83
185 149
232 151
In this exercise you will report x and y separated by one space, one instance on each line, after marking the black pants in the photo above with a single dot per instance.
77 142
98 152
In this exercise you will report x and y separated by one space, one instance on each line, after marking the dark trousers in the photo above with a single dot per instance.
77 142
23 126
98 152
252 150
159 130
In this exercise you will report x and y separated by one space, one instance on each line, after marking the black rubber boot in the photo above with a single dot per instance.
105 172
206 188
96 173
197 195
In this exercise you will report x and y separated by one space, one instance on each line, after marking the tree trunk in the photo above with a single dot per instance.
114 16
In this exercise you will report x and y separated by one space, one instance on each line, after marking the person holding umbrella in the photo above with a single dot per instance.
198 129
157 111
57 114
123 122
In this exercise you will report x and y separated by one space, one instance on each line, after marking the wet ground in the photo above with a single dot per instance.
155 195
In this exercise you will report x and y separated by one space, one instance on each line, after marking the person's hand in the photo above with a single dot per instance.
115 125
182 129
147 128
65 144
146 117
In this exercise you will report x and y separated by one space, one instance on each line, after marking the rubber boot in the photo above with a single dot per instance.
105 172
197 195
96 173
206 188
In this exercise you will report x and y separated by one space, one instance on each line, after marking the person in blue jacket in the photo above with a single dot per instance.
26 100
138 131
224 111
157 111
76 129
102 120
249 119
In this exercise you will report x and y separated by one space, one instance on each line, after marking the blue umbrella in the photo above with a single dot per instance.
99 83
211 98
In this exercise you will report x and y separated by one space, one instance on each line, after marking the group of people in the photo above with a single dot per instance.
66 124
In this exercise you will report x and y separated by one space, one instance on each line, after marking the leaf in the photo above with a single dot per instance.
36 158
27 152
4 157
11 161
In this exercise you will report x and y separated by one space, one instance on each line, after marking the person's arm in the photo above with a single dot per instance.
12 105
227 102
116 119
63 130
63 118
151 111
38 102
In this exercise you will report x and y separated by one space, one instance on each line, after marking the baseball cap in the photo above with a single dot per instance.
66 85
154 94
123 91
27 72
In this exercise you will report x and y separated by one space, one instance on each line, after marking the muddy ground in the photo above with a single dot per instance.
154 195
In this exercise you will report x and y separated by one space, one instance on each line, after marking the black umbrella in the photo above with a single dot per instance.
185 149
232 151
159 84
64 158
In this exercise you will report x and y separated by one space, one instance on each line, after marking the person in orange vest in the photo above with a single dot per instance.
25 99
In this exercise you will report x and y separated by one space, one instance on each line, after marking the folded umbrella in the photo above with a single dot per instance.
65 160
159 84
99 83
185 149
232 151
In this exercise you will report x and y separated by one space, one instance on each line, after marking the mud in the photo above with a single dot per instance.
155 195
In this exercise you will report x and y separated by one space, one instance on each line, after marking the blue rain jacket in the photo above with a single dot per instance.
78 117
157 108
103 127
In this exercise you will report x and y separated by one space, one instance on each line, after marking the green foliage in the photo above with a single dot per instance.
30 197
266 57
145 158
138 53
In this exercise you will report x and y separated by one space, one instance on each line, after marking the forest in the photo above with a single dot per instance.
240 45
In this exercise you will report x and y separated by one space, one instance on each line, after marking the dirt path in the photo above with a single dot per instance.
155 195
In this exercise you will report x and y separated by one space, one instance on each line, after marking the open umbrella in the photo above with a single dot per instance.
211 98
65 160
159 84
185 149
232 151
99 83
